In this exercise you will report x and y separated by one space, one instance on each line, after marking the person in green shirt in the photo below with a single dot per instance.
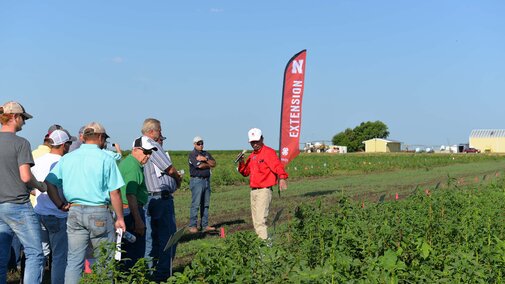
134 196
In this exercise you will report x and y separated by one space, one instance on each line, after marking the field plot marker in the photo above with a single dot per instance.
381 198
172 241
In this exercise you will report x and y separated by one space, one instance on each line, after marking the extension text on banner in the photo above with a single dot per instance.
291 110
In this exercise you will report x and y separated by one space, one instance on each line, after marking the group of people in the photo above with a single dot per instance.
83 194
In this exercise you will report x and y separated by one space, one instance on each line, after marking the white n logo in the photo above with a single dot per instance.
297 67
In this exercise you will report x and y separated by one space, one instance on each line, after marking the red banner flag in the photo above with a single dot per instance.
291 110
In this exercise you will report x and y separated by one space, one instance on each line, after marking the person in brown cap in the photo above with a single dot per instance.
16 213
91 183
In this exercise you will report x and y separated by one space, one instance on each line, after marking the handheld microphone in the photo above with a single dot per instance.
239 156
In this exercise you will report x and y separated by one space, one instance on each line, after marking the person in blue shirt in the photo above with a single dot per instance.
91 183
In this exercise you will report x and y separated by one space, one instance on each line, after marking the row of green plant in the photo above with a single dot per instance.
454 235
328 165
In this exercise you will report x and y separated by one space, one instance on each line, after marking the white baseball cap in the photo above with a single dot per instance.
59 137
197 139
58 127
254 134
144 143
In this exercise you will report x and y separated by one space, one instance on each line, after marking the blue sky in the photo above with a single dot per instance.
431 70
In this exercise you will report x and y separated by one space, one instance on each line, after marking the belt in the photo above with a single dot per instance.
156 193
81 205
127 206
200 177
255 188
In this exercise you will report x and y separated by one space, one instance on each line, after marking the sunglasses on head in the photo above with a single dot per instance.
199 143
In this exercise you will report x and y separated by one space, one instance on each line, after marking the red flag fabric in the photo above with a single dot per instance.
291 110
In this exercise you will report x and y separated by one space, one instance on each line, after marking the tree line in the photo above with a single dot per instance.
353 138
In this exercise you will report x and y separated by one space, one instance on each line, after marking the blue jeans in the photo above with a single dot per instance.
15 258
84 224
200 201
21 220
160 223
133 251
54 233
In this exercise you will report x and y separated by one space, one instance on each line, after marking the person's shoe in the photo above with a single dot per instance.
269 242
193 230
209 228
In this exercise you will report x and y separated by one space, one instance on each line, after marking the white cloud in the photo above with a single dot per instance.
216 10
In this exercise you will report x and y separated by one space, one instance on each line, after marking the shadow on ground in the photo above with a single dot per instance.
319 193
202 235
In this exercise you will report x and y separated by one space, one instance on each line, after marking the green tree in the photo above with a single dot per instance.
353 138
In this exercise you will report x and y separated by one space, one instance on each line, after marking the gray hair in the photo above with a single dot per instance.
151 124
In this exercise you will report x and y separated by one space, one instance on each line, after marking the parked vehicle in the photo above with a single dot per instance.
337 149
471 150
315 147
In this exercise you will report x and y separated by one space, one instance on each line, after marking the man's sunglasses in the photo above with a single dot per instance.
146 152
200 143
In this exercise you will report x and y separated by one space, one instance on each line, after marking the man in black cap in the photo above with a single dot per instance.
200 164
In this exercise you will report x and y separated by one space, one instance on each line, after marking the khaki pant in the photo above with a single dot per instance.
260 204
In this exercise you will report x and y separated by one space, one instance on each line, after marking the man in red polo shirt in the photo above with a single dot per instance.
263 168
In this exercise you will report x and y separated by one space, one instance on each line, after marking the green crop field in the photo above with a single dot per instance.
322 181
341 222
450 235
333 165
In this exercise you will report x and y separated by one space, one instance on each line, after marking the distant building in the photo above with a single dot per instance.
488 140
378 145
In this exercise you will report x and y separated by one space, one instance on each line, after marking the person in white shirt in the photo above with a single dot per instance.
53 221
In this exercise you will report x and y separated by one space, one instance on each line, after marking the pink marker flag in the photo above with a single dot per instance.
291 110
